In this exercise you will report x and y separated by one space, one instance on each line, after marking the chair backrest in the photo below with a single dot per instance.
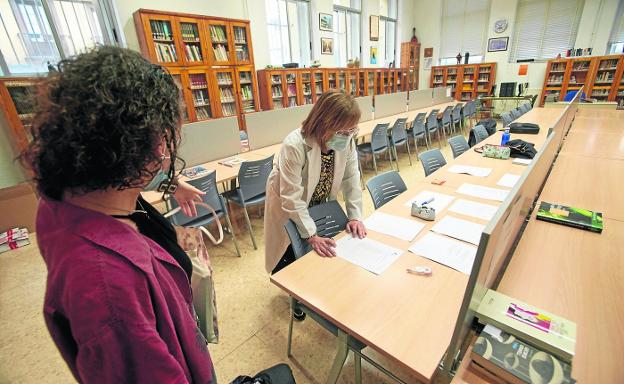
418 128
421 117
469 109
253 175
457 112
515 113
458 145
208 185
507 119
446 115
432 120
432 160
399 133
379 137
385 187
480 133
526 107
330 220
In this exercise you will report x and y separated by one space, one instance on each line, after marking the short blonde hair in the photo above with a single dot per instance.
334 111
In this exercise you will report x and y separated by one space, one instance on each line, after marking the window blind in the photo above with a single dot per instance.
545 28
464 27
617 33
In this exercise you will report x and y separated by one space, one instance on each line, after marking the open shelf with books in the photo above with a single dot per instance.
467 81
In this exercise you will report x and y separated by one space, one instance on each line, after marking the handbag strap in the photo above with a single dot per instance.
202 228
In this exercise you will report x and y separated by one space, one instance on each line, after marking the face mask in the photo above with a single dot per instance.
338 142
156 181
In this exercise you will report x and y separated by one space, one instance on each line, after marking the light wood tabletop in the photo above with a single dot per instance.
595 144
409 319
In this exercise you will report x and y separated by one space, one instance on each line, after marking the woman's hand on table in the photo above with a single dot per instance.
323 246
356 228
186 195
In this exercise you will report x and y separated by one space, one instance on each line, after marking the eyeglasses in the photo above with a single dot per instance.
350 133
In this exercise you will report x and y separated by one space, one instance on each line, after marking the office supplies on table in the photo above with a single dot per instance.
474 209
524 128
232 161
508 180
570 216
438 181
399 227
520 161
459 229
549 332
195 171
367 253
483 192
439 203
513 360
418 270
452 253
470 170
422 211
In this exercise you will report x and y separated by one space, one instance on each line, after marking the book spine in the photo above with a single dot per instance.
569 224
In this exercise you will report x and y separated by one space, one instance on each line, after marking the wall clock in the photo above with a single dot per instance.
500 26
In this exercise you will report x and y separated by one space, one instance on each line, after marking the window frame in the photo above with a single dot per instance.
348 12
289 44
442 60
611 43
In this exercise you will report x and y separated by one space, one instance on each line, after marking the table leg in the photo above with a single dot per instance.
341 356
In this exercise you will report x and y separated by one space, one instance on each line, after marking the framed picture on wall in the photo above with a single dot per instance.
373 55
326 22
327 46
497 44
374 28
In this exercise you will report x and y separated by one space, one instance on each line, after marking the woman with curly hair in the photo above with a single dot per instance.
118 301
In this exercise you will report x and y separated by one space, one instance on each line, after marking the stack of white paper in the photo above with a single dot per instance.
443 250
459 229
483 192
474 209
369 254
404 229
470 170
440 200
508 180
522 161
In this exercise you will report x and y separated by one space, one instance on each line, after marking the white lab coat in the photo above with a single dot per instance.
290 187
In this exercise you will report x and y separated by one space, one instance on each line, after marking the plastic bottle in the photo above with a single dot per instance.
506 136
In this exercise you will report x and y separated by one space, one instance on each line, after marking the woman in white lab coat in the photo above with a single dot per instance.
315 162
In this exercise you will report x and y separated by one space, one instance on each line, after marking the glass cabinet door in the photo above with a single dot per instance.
247 90
177 78
291 89
198 83
163 40
353 83
318 84
192 47
342 80
220 43
227 93
370 84
277 93
306 84
242 46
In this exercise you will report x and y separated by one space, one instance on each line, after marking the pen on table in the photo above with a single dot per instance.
428 201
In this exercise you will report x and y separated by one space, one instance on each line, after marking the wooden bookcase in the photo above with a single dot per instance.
280 87
467 81
17 101
601 76
211 58
410 61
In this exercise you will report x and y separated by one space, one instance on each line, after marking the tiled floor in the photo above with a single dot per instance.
253 315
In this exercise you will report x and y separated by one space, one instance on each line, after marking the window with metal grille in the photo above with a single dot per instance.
289 31
545 28
347 14
464 29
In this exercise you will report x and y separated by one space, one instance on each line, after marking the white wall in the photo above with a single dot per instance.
594 29
11 172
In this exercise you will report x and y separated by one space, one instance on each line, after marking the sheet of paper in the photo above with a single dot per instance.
470 170
369 254
483 192
508 180
522 161
440 200
459 229
399 227
452 253
474 209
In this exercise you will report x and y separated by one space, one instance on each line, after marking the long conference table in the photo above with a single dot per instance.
226 173
573 273
407 318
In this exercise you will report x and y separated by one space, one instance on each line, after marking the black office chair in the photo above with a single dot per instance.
458 145
379 144
385 187
432 160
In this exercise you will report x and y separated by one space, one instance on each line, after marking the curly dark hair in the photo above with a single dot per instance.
99 120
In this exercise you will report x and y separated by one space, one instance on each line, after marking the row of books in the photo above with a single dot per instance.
292 90
203 113
604 77
201 97
247 92
245 77
220 52
555 79
248 106
13 239
558 67
276 91
239 35
224 78
198 81
189 32
608 65
161 30
228 109
217 33
193 52
165 52
226 94
242 54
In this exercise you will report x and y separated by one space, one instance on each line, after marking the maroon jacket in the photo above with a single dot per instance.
117 305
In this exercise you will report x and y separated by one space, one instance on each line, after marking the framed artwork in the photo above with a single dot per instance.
428 52
327 46
373 55
374 28
326 22
497 44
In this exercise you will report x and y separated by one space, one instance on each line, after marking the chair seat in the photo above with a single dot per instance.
328 325
367 148
235 198
400 142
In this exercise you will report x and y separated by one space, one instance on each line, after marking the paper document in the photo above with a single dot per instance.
522 161
474 209
508 180
399 227
483 192
369 254
459 229
443 250
440 200
470 170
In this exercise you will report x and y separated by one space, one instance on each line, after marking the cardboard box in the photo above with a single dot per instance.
18 207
